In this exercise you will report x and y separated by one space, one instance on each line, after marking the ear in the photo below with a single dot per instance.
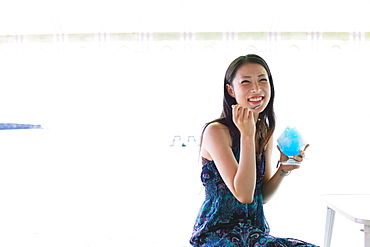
230 90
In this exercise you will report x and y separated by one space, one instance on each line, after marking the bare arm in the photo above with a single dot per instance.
271 183
240 177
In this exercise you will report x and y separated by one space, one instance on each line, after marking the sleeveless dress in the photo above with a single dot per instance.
224 221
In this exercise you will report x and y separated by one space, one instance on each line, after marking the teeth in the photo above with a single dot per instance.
256 99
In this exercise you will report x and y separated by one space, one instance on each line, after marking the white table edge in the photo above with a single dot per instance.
354 219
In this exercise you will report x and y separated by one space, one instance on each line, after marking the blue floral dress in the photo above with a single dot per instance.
224 221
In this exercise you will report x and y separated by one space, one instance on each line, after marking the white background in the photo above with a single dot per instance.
103 174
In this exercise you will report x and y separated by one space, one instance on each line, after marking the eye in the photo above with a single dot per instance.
263 80
245 81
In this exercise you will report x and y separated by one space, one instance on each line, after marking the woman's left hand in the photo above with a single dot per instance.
298 158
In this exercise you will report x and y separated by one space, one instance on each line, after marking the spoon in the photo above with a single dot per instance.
252 108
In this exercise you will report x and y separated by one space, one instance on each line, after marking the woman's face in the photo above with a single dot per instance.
251 87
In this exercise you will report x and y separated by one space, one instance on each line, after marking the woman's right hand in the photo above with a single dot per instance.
244 120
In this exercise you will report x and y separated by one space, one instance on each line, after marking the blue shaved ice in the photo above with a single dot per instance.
291 142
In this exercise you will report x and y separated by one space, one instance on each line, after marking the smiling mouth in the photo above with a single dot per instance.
256 100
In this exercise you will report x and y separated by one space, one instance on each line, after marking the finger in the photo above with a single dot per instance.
235 112
302 154
239 114
243 113
248 113
298 158
287 168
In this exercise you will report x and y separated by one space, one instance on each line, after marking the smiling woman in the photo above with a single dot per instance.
237 173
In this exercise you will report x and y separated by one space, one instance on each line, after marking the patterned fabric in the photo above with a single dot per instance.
224 221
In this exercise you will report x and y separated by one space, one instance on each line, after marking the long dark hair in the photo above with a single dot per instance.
265 125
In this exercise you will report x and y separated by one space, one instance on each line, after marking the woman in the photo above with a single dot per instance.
236 154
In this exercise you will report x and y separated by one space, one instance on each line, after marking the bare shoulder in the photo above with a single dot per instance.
216 130
216 126
216 136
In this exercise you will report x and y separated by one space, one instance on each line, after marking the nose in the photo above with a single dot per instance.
255 87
